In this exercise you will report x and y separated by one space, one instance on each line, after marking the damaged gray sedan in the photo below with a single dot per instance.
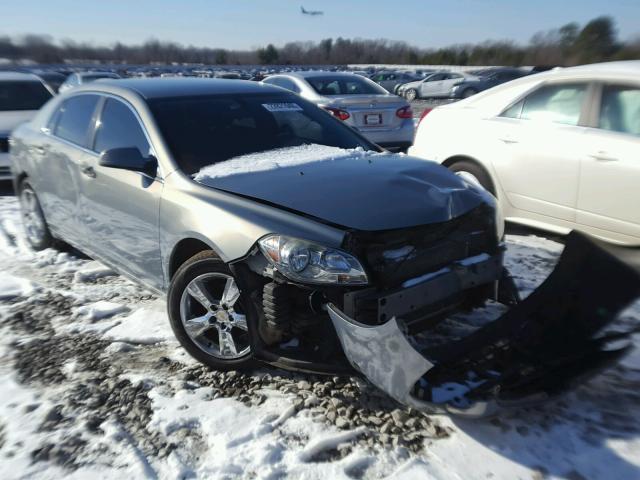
280 235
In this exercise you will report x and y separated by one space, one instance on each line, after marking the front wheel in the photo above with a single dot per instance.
411 94
35 225
208 313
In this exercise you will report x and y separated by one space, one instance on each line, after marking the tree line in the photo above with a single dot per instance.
570 44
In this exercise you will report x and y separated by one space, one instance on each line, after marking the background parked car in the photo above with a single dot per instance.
362 104
80 78
560 150
390 81
439 84
52 79
21 95
485 79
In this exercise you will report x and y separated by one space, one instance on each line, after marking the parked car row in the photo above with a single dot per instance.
543 184
458 84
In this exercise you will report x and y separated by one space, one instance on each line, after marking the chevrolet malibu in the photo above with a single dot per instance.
277 233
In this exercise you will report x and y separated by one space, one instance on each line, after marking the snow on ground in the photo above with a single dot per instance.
93 385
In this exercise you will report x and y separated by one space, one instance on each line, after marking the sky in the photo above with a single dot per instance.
243 24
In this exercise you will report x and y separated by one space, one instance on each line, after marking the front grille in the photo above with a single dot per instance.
4 145
428 247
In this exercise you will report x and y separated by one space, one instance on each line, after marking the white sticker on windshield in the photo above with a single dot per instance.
282 107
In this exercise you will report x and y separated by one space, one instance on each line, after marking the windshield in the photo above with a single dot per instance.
17 95
205 130
345 86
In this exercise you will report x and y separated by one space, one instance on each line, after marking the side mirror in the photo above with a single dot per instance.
129 158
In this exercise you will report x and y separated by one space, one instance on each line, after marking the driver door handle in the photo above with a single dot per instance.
508 140
89 172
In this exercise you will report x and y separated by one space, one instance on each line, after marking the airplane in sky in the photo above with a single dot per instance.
311 12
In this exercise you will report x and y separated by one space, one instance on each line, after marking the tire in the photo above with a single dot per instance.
208 332
469 92
35 225
473 172
411 94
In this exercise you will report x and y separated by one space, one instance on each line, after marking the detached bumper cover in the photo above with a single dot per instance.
539 348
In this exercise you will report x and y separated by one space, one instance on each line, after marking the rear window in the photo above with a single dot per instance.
17 95
205 130
344 86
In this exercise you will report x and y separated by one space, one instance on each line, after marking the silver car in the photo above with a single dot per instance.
280 235
439 84
383 118
82 78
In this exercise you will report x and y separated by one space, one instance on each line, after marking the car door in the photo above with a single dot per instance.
447 83
61 150
120 207
537 146
431 85
609 194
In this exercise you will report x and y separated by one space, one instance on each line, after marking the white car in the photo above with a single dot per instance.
560 150
21 95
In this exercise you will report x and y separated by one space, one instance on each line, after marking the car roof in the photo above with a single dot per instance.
628 67
18 76
150 88
97 72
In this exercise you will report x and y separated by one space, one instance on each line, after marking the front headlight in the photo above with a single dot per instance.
306 262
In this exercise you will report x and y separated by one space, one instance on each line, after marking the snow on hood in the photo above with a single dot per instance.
278 158
350 188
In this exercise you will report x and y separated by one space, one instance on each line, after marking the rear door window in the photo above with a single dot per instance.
620 109
119 128
75 119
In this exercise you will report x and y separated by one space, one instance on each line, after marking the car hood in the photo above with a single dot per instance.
11 119
350 188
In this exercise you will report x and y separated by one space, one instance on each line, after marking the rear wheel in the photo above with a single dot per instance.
469 92
35 225
209 314
411 94
474 173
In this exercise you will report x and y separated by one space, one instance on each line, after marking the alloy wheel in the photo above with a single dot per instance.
212 316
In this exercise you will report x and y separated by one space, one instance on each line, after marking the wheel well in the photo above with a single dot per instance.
463 158
18 180
183 251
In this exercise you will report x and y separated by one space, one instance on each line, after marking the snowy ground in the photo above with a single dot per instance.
92 384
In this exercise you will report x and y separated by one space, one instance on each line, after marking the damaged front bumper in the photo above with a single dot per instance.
539 348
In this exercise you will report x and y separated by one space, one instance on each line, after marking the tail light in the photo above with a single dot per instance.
336 112
424 114
404 112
